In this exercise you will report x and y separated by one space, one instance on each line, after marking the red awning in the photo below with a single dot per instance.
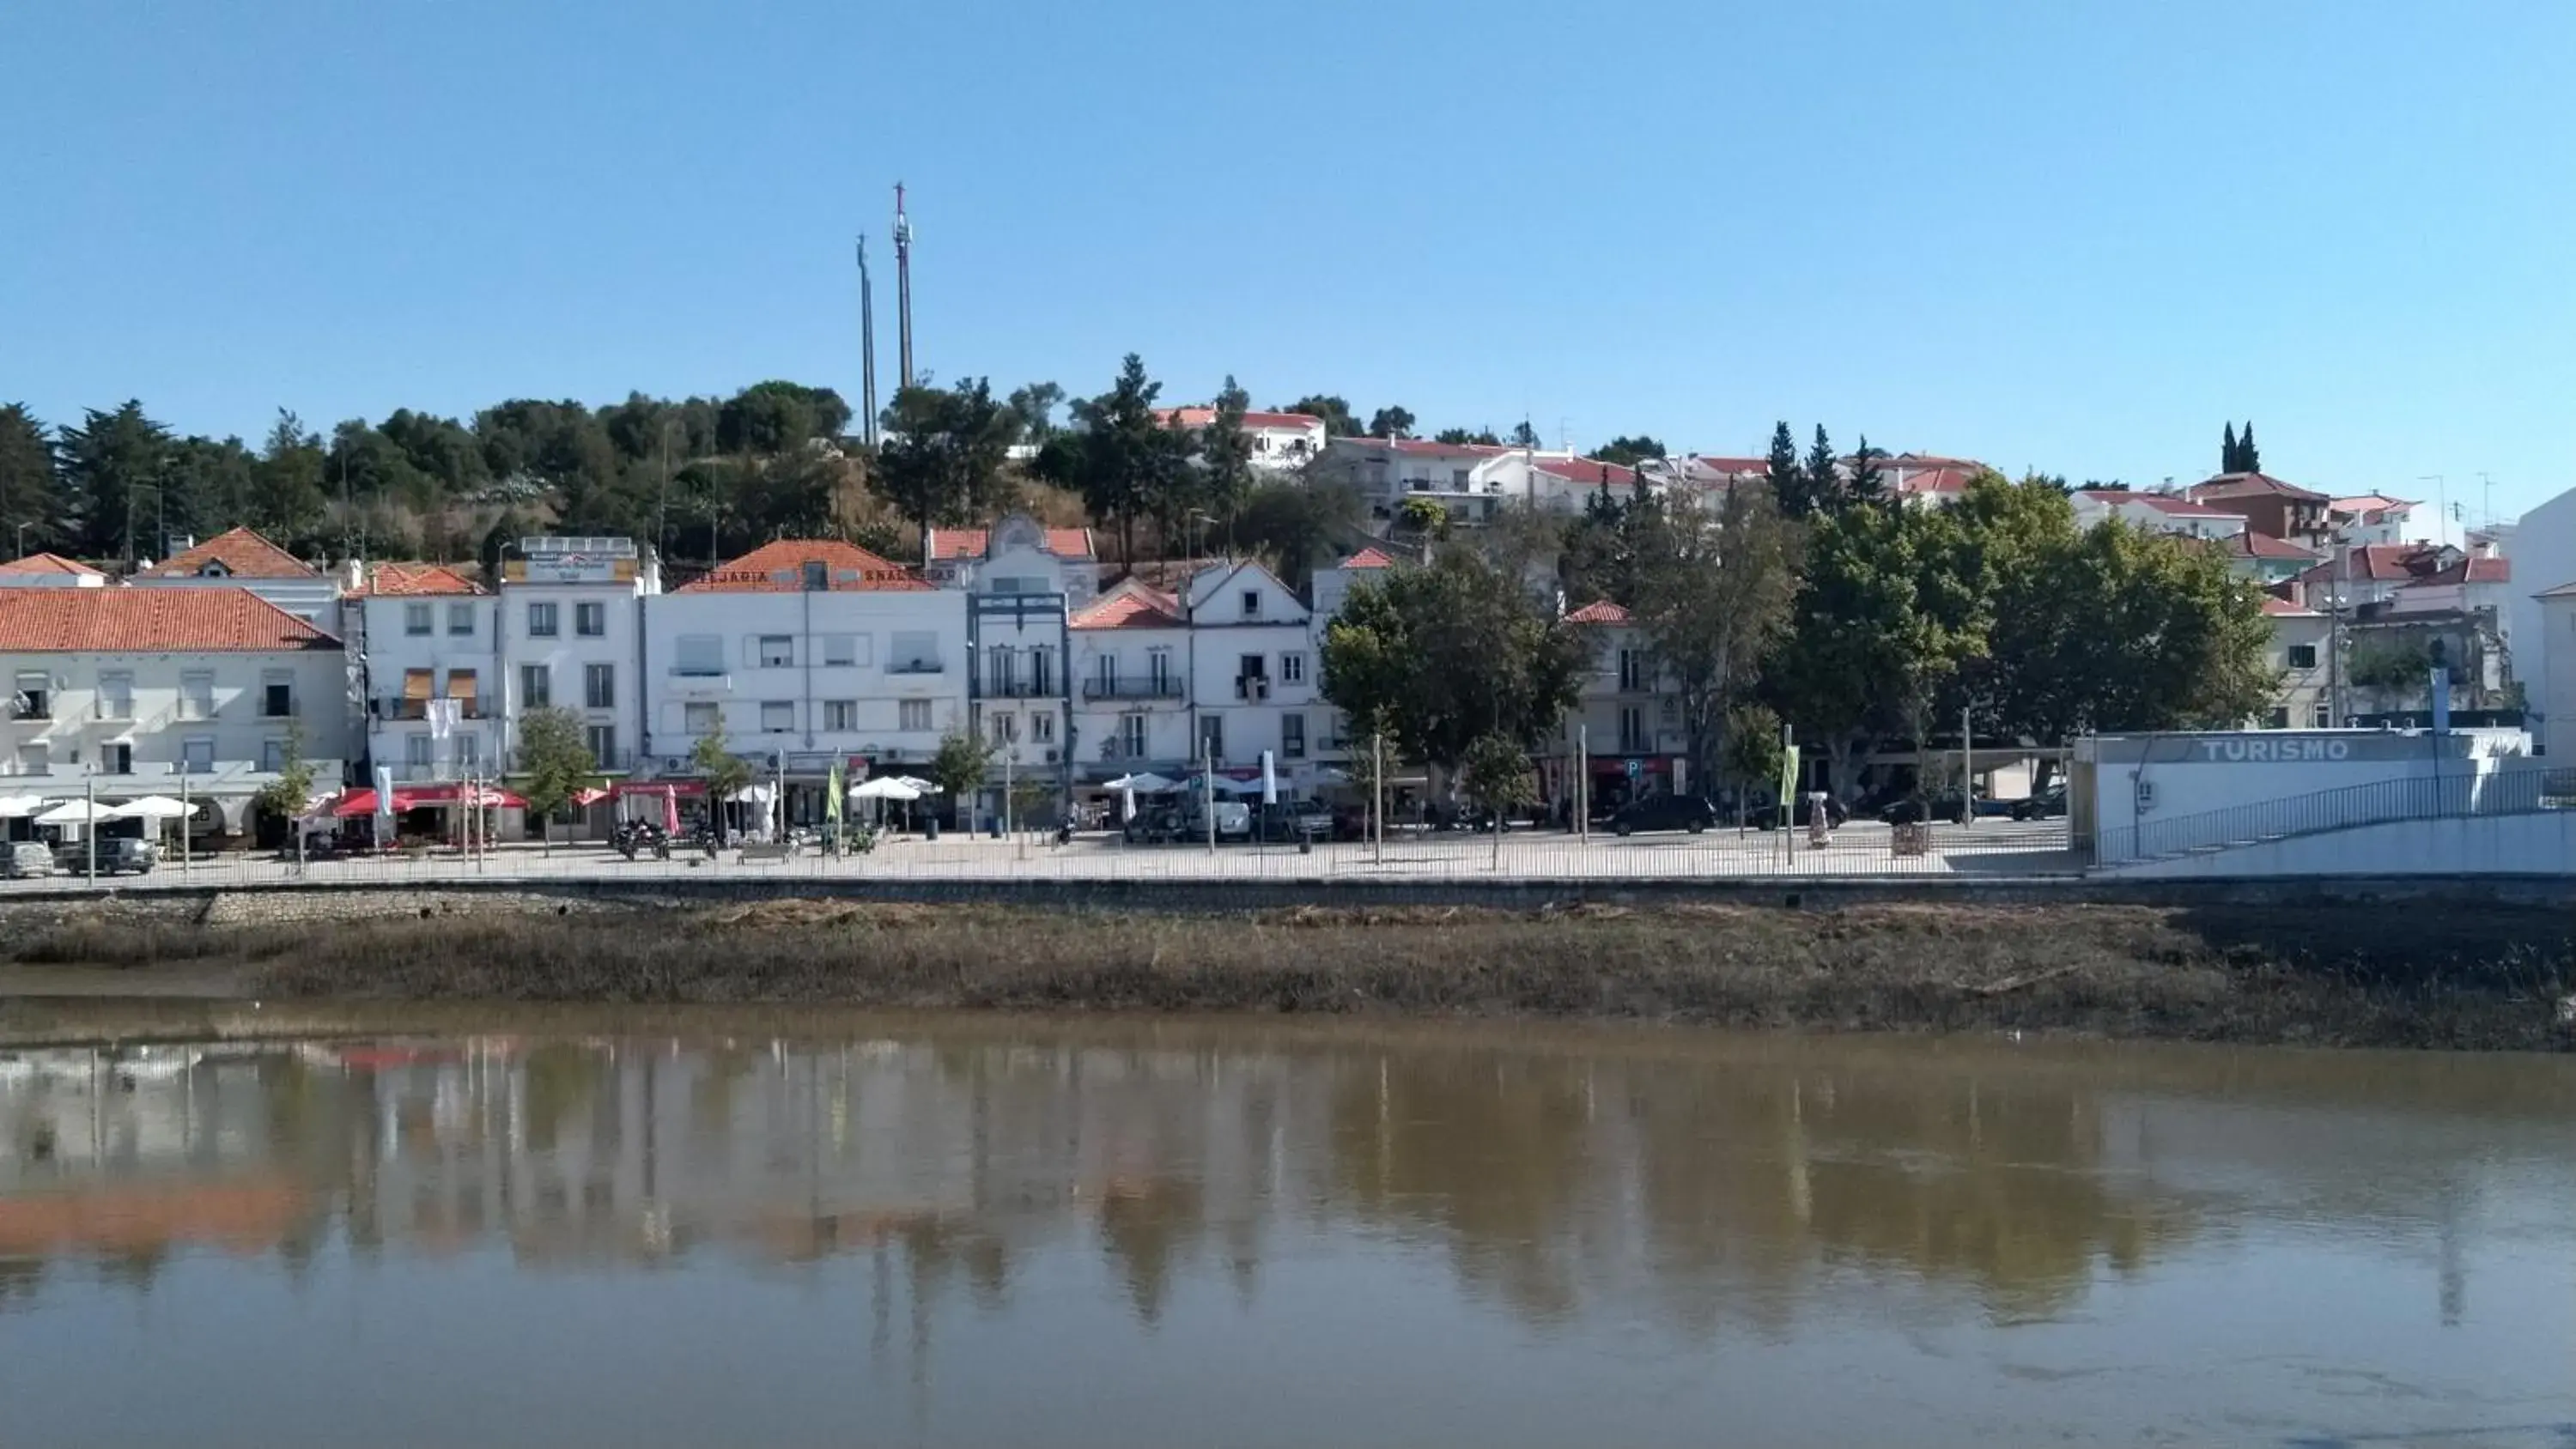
588 797
659 788
363 802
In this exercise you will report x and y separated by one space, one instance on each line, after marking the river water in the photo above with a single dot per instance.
611 1230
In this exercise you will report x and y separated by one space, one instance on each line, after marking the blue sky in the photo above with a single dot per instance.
2071 236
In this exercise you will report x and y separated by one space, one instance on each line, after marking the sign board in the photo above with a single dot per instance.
1788 776
569 568
1636 768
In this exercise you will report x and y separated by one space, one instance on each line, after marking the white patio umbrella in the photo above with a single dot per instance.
14 806
1269 780
1144 784
1228 785
919 784
161 807
75 812
885 787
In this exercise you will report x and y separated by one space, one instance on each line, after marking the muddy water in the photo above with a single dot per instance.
621 1230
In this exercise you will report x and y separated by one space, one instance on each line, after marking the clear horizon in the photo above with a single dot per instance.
2056 239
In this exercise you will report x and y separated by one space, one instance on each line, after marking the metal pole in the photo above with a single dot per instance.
1789 807
1207 788
1377 792
89 826
1967 771
1583 782
2334 644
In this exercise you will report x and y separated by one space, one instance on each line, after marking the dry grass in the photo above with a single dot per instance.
2332 974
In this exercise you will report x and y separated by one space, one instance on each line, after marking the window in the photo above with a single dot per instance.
590 620
775 651
117 759
197 755
1292 669
1634 738
1131 736
467 692
416 618
1006 727
1019 585
541 621
1042 726
1158 668
1042 671
469 751
2303 656
701 719
1252 677
840 650
698 655
31 758
2280 719
1252 603
460 619
2324 715
841 714
414 703
196 694
602 740
912 654
1001 671
116 695
777 716
536 686
818 575
1633 671
1212 736
1292 737
1104 674
599 686
416 750
277 694
912 715
1458 479
35 691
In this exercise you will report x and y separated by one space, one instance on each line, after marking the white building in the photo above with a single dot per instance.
1255 676
241 559
49 571
804 654
1389 471
1281 442
1015 556
1333 585
572 635
423 632
1132 697
162 692
2156 513
1627 723
2301 638
2542 545
2555 651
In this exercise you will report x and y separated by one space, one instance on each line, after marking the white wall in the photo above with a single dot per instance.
2495 845
1100 712
876 685
380 630
160 722
2543 549
2556 653
567 654
1277 632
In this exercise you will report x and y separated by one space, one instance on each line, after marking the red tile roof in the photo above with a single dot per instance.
1369 558
2169 504
1912 479
413 580
970 542
49 563
1588 471
2252 485
1601 612
779 568
2473 571
2370 506
2379 563
239 554
150 621
2284 609
1429 448
1131 605
2264 545
1195 416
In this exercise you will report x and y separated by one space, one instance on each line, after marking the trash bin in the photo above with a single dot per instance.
930 827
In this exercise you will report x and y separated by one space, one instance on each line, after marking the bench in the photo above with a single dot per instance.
770 850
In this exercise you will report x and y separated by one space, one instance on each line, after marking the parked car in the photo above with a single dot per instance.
1766 816
1233 820
1949 806
1292 820
127 853
2046 805
1153 824
25 858
1664 812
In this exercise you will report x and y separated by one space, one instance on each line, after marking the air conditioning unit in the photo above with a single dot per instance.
1050 756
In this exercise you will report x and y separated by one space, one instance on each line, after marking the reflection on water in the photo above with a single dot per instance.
980 1232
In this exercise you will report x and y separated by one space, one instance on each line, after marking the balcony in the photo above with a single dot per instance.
1017 689
1253 687
915 666
1149 688
616 762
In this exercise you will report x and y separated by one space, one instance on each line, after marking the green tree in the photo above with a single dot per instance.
1790 488
554 763
288 794
726 773
1391 422
944 452
287 501
1753 750
1525 436
958 767
2246 453
28 493
113 465
1714 595
1297 526
1450 652
1119 461
1867 484
1336 413
2228 454
1035 407
1627 452
1424 518
769 418
1457 436
1824 477
1498 780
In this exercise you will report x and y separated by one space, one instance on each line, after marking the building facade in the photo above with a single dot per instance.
571 629
241 559
1132 698
1255 675
422 633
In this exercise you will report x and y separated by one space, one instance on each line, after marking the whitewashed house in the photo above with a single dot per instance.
2542 545
2155 513
1255 676
241 559
2301 639
1015 556
1281 442
136 692
572 635
1626 728
1333 585
1132 699
49 571
801 655
423 632
2554 633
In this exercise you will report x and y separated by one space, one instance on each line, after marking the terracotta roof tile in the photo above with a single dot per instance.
2473 571
1590 471
1194 416
1600 612
238 554
2263 545
2170 504
150 621
50 563
413 580
1369 558
1131 605
779 568
2252 485
971 542
2284 609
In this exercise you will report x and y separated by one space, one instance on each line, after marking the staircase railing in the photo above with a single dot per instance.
2520 791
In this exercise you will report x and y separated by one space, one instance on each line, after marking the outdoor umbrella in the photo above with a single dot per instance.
150 807
74 812
14 806
1269 780
884 787
1144 784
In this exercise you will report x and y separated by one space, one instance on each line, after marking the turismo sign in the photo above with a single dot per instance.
2281 751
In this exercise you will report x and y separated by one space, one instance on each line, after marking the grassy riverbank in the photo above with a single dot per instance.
2410 974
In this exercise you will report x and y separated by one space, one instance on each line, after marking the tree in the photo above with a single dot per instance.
1867 484
1790 490
2246 453
958 766
554 763
1524 436
27 487
1445 654
769 418
943 453
1627 452
726 773
1336 413
1424 518
1457 436
1753 753
287 501
287 796
113 465
1118 462
1391 422
1035 407
1497 778
1297 525
1714 590
1225 454
2229 455
1824 477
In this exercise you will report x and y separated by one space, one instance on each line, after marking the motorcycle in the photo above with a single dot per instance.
634 837
703 838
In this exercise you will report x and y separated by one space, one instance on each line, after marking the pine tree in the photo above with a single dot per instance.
1868 485
2227 453
1788 480
113 465
1824 484
27 485
2249 458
